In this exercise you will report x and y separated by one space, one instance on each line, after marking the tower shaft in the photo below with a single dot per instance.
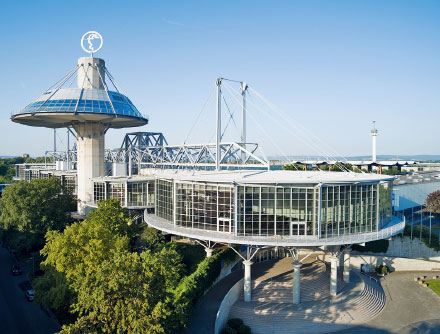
373 157
90 163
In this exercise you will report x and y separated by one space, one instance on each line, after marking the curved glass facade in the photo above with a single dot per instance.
268 210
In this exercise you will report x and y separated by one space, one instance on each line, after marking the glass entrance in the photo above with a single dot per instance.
224 225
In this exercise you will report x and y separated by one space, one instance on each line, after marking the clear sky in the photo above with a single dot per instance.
332 66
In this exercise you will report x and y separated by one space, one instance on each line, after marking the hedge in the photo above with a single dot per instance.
192 287
378 246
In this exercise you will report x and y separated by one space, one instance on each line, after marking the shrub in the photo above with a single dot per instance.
243 329
235 323
378 246
192 255
381 269
229 330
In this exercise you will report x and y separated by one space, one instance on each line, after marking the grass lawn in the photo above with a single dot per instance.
434 285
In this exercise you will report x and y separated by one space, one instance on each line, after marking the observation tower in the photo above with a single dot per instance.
90 109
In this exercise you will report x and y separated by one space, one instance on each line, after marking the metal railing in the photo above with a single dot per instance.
306 241
370 277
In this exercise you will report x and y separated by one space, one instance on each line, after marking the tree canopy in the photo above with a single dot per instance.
36 206
433 201
116 290
7 168
83 245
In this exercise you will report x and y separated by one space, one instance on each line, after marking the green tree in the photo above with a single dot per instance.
392 171
151 239
433 202
127 293
84 245
115 290
293 167
36 206
7 168
53 291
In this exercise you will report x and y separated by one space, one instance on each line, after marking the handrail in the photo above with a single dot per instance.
370 277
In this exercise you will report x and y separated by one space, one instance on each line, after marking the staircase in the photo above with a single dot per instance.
272 312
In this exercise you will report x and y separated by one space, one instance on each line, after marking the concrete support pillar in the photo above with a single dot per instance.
334 275
90 164
296 282
247 281
209 252
346 272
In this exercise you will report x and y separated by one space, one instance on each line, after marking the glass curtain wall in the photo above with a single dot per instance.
348 209
205 206
268 211
117 191
140 194
69 181
385 191
164 199
273 210
98 191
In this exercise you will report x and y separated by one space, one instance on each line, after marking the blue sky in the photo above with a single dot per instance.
332 66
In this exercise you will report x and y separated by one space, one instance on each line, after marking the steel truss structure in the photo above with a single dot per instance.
232 155
141 139
151 150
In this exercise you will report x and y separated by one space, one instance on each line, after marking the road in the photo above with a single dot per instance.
17 315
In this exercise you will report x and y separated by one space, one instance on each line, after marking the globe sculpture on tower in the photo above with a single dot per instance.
90 109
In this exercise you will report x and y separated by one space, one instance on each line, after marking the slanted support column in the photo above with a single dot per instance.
296 282
209 252
346 272
247 280
334 275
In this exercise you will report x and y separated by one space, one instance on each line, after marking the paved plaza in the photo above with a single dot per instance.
396 305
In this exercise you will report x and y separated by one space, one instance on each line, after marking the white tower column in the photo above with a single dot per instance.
334 260
296 282
90 155
247 281
373 136
346 272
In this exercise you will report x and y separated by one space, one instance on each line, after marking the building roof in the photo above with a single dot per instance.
270 177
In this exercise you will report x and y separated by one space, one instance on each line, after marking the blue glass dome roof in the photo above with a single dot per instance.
61 107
